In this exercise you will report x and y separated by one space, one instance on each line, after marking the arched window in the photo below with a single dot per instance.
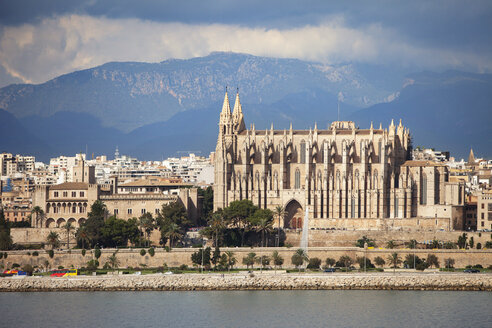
303 152
297 184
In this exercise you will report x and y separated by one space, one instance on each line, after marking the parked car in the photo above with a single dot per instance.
330 270
471 271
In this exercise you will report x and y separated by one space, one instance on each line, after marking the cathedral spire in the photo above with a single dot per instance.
471 157
226 108
237 114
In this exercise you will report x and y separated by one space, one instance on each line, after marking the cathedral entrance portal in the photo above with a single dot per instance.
294 215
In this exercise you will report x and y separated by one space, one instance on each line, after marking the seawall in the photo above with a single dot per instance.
185 282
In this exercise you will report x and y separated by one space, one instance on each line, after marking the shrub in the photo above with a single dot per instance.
421 266
479 245
83 252
288 245
488 244
449 263
92 265
60 267
314 263
35 253
432 260
15 265
364 262
183 267
97 252
106 266
151 251
167 248
380 262
28 269
478 266
330 262
29 253
51 253
143 252
5 254
1 255
360 242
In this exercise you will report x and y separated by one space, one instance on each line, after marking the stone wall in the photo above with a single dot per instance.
176 257
347 238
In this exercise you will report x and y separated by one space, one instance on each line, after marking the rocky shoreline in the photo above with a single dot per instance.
189 282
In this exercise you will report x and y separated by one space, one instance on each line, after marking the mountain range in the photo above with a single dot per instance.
153 110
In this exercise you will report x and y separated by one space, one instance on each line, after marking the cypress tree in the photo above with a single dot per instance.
5 238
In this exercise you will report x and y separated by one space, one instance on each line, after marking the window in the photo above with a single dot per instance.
303 152
74 209
483 205
115 212
82 194
65 194
423 191
483 216
490 216
156 211
129 211
297 180
143 211
74 194
489 205
56 194
483 224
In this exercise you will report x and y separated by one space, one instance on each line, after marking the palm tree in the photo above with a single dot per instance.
249 259
69 227
39 215
394 259
217 225
113 261
299 257
277 259
147 223
231 260
263 226
279 212
173 232
53 239
83 236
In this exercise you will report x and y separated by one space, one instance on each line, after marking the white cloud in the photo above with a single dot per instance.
36 53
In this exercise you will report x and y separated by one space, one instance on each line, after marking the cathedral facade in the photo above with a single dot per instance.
341 177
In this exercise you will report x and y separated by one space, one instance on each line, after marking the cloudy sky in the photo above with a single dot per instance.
41 39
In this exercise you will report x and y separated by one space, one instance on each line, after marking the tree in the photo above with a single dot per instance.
173 232
216 223
113 261
39 213
379 261
462 241
345 261
92 265
5 238
449 263
364 262
471 242
202 256
231 259
330 262
117 232
207 202
147 224
299 258
53 239
411 261
390 244
68 228
394 259
262 220
82 237
277 259
360 242
262 261
412 244
249 260
432 260
435 244
314 263
279 213
216 257
98 210
237 214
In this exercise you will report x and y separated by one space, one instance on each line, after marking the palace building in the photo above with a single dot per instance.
342 177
